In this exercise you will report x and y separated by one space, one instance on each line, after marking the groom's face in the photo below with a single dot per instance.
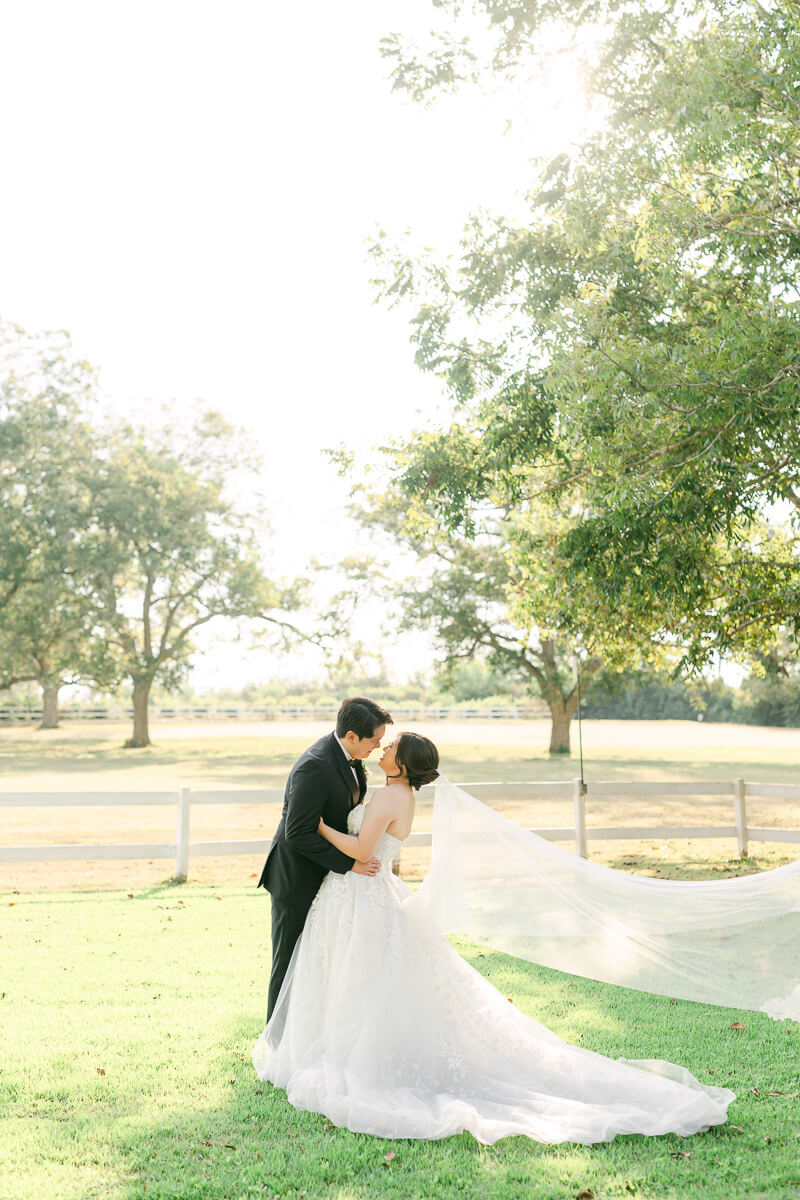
363 747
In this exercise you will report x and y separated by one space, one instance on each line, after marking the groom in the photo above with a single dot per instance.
327 781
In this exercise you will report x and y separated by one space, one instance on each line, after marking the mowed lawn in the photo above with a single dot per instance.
128 1005
127 1024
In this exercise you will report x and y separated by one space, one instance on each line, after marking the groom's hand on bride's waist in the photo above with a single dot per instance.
370 867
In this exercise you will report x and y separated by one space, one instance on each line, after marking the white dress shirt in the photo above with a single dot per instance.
348 756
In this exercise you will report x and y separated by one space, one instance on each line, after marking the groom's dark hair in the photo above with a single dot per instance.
362 716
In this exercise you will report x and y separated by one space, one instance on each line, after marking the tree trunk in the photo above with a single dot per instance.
141 701
561 706
561 713
49 706
560 720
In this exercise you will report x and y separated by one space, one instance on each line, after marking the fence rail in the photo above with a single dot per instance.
21 714
579 832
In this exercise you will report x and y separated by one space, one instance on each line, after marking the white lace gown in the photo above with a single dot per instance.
384 1029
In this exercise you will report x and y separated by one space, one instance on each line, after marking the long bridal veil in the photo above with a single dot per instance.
733 942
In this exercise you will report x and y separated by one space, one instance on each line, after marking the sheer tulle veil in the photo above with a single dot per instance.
732 942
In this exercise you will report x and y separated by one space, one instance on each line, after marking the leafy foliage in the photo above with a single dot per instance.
477 599
182 553
644 374
116 544
50 545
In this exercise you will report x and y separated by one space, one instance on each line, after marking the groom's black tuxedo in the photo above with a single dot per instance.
320 784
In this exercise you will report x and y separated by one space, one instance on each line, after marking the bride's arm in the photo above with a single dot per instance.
379 814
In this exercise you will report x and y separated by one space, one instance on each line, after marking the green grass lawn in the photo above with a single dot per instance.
127 1023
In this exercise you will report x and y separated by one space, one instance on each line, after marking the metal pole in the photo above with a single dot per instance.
579 817
580 731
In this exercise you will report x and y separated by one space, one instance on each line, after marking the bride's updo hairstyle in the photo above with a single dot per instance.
420 758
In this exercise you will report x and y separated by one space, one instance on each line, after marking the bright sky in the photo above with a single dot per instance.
188 186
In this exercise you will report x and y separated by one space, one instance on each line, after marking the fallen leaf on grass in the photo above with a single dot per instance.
738 1026
588 1194
738 1128
130 895
787 1095
387 1158
100 1070
681 1154
754 1092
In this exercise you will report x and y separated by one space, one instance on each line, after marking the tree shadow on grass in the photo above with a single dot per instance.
249 1141
101 759
696 869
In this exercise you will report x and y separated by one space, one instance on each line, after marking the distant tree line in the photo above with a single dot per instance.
633 695
646 696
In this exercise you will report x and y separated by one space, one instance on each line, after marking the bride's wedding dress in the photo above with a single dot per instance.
385 1030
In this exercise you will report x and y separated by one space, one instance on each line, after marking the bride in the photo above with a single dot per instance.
383 1028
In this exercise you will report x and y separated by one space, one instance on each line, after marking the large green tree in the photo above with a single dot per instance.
50 545
634 343
184 550
477 598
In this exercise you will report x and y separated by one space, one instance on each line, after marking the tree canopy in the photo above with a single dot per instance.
50 546
630 352
182 552
477 599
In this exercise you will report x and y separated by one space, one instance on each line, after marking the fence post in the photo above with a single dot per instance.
579 811
741 815
182 835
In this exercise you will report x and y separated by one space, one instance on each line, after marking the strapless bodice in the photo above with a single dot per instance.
387 848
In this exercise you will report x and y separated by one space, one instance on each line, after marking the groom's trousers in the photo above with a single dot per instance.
287 925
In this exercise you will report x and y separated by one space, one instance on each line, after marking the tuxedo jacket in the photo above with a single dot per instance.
320 784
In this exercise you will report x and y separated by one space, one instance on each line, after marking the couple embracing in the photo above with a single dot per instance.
377 1023
325 785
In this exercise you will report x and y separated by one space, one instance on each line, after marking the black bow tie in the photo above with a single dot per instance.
354 761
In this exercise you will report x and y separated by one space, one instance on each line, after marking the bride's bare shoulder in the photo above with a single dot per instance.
385 797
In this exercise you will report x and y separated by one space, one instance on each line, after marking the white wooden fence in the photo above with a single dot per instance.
182 848
24 714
